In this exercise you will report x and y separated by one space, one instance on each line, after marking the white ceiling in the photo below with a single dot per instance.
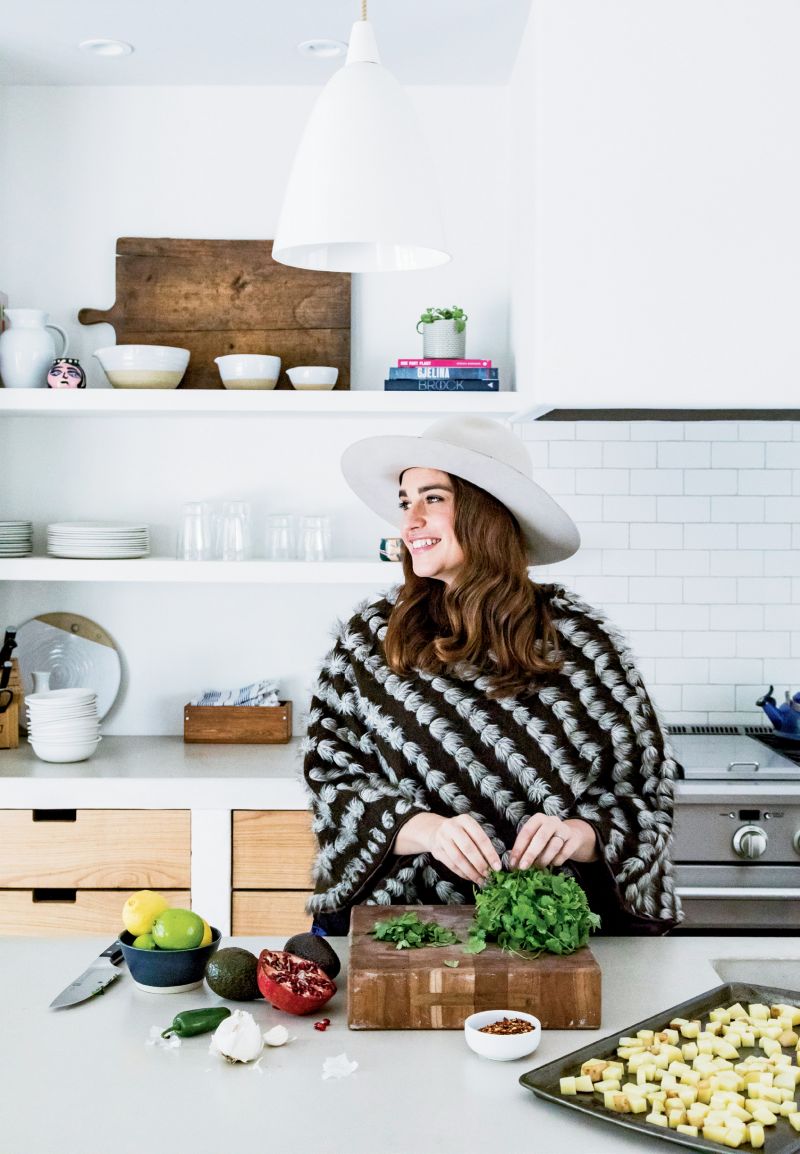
255 41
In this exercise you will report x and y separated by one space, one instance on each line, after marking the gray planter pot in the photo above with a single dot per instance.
440 341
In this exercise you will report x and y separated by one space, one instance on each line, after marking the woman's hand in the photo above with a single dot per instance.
457 842
548 841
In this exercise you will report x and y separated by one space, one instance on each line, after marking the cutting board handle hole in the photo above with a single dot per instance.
43 895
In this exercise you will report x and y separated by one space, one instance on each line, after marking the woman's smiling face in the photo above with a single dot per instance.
427 500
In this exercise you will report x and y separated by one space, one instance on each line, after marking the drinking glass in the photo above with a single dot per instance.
280 537
233 539
314 538
195 541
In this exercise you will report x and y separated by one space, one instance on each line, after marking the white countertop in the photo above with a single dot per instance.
83 1081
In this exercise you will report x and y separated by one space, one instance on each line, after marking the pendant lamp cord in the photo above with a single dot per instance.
363 9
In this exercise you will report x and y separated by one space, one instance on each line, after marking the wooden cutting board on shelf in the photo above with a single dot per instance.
227 296
391 989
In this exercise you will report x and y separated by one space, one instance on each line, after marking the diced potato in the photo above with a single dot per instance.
635 1042
763 1115
787 1011
690 1029
638 1105
733 1037
687 1095
788 1078
646 1075
786 1109
770 1046
676 1118
736 1011
646 1036
670 1037
567 1086
794 1121
689 1051
656 1119
692 1131
758 1011
725 1050
606 1084
679 1068
594 1068
714 1027
748 1037
755 1135
696 1114
788 1037
706 1045
584 1084
771 1031
714 1133
739 1112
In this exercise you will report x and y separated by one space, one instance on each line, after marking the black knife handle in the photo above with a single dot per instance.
113 953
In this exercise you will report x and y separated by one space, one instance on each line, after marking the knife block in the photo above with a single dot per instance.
9 720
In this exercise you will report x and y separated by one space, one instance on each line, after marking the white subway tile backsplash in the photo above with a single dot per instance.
682 563
774 644
742 617
714 643
683 670
737 509
771 482
656 481
710 590
633 455
576 455
660 535
765 536
711 481
684 455
744 455
709 537
684 509
629 509
736 563
691 547
665 589
684 617
602 481
630 562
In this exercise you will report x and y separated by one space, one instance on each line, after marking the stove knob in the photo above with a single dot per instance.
750 841
796 841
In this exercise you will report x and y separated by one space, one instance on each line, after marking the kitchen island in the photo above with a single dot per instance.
84 1080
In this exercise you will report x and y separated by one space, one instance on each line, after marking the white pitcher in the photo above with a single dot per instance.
27 349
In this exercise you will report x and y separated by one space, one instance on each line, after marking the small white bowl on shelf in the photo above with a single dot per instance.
313 376
249 370
501 1047
143 366
64 750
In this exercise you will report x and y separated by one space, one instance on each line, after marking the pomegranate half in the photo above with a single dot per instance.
293 984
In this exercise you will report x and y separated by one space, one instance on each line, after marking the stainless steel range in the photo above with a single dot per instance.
737 828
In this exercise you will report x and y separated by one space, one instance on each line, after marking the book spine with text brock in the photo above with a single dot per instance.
438 385
443 373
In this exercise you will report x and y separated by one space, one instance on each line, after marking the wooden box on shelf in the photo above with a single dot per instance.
238 724
9 718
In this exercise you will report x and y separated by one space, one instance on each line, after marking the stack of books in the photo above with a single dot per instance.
438 376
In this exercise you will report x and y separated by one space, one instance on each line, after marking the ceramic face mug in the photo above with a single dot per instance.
66 373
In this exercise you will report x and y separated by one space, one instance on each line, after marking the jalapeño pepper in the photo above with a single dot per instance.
191 1022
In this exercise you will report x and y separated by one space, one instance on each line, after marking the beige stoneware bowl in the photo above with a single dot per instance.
313 376
249 370
143 366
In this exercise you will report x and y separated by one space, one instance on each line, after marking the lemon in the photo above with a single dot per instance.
141 910
206 938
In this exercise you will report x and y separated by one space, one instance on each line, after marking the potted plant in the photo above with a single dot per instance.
444 334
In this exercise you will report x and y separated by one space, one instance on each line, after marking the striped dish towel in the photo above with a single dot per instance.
258 693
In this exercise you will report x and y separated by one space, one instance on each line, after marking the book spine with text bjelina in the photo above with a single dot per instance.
468 363
441 385
442 373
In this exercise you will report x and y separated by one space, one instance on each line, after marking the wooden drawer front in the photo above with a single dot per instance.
100 849
92 912
272 849
278 912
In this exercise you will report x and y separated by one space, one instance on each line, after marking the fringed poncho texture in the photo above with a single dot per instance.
585 743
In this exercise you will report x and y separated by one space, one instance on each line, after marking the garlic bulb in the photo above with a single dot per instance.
238 1038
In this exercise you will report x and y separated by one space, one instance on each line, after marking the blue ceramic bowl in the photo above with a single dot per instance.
168 971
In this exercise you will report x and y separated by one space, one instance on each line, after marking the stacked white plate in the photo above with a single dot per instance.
63 724
16 538
97 539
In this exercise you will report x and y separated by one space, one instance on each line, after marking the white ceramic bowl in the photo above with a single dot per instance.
64 751
501 1047
313 377
249 370
143 366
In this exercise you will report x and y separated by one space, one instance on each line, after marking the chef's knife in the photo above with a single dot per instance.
100 974
9 645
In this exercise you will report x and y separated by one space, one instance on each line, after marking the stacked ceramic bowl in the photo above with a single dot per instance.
16 538
63 724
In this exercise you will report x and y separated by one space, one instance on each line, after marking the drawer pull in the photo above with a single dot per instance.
45 895
55 815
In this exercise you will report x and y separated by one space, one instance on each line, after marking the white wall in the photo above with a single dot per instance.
656 153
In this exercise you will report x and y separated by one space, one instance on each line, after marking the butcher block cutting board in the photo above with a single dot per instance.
391 989
227 296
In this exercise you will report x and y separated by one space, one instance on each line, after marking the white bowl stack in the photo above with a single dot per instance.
16 538
63 724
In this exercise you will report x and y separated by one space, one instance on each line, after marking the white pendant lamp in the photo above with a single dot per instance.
361 194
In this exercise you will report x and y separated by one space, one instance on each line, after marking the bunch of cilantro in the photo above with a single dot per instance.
409 932
531 912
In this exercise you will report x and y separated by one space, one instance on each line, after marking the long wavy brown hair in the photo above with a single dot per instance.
491 615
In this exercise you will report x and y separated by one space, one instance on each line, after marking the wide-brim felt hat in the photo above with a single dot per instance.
477 449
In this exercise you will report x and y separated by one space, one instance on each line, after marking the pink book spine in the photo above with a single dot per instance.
412 363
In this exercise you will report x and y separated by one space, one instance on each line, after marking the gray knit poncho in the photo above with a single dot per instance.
586 743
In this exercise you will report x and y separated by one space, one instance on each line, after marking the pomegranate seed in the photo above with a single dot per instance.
323 1025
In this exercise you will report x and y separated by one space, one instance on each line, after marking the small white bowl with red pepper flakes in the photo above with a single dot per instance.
502 1035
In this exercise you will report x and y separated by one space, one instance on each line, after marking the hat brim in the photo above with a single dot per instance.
372 469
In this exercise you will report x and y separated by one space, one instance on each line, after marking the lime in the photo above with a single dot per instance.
178 930
206 938
141 910
144 942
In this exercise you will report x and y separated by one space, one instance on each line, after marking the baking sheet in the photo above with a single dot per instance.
544 1081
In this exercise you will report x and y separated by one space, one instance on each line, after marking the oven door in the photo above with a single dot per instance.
739 897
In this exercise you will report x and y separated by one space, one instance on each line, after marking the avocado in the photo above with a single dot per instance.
231 973
315 949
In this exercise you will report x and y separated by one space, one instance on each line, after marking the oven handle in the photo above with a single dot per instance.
739 893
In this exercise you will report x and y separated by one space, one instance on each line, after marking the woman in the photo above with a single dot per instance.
474 719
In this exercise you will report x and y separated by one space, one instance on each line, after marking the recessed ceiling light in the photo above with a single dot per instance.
101 47
322 49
